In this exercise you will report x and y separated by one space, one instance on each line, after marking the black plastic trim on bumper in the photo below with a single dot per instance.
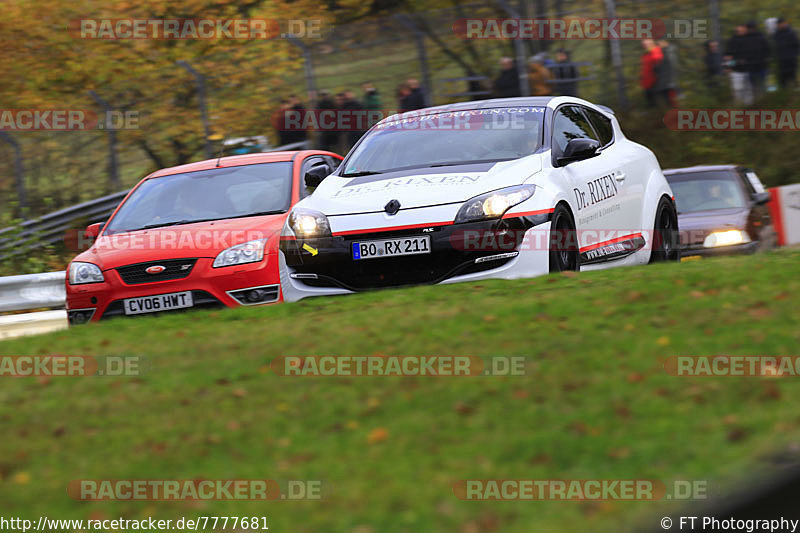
77 317
240 295
719 251
456 249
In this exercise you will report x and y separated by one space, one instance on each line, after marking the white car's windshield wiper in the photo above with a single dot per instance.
361 173
468 162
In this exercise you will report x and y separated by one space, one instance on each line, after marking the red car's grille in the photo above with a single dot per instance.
170 269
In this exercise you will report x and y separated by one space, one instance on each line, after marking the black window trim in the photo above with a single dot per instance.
611 122
308 163
553 155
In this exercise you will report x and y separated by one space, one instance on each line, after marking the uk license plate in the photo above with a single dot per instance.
391 247
161 302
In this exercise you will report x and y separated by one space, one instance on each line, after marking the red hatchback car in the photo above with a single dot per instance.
194 236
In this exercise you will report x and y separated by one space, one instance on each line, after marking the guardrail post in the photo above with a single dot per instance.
616 58
519 50
308 67
113 170
19 174
422 56
713 12
200 80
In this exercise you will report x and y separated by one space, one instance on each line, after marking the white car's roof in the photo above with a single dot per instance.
529 101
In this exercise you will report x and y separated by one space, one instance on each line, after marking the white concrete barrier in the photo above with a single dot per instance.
32 323
785 210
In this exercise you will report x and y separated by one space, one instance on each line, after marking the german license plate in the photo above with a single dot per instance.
154 304
391 247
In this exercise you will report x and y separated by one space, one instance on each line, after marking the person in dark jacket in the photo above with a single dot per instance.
279 123
787 48
507 83
354 108
668 73
328 137
713 61
564 73
414 99
758 58
736 59
296 117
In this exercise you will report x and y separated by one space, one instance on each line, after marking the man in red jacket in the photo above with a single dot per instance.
651 64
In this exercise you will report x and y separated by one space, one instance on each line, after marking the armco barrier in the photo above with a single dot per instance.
32 291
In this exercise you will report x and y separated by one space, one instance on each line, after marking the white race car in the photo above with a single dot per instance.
504 188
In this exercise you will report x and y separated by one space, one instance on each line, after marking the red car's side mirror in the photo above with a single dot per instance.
93 230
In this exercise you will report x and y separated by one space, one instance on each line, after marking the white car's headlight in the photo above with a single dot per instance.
726 238
247 252
81 273
307 223
493 204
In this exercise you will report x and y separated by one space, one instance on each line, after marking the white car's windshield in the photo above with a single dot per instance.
215 194
445 139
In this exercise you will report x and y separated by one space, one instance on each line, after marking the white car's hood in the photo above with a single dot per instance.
418 187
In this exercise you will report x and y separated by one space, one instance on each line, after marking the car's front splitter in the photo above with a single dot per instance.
459 252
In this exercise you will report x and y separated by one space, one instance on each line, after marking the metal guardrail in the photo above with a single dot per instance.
32 291
50 228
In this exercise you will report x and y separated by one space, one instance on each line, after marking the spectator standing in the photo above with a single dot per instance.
372 100
787 48
539 76
414 98
736 59
352 117
758 56
668 74
507 83
372 104
650 69
279 123
713 61
565 74
295 119
328 137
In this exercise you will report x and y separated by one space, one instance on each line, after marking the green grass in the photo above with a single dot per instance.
594 403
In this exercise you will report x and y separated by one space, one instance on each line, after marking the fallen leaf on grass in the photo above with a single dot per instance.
377 435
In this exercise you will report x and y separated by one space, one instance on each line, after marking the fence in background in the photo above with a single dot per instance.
52 227
59 169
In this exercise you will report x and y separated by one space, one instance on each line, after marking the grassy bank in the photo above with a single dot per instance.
594 402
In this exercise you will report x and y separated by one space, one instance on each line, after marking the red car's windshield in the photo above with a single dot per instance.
213 194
